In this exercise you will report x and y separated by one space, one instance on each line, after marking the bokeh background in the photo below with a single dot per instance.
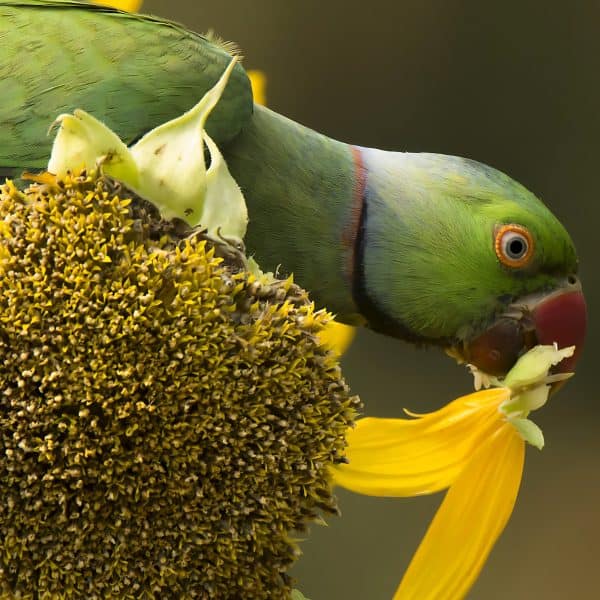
512 84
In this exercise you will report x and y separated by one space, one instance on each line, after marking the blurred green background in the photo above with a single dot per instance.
512 84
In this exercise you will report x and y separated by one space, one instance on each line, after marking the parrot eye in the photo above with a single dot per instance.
513 245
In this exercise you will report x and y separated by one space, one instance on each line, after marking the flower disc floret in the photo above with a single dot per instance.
166 419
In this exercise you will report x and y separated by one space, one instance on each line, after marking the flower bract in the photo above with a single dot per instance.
167 166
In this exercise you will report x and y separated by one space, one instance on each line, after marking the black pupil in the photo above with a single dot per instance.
517 247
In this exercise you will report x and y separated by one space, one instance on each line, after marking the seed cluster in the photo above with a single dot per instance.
166 420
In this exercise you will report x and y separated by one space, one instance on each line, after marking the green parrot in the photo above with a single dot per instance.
433 249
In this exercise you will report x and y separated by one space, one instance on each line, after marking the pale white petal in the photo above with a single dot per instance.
84 142
170 159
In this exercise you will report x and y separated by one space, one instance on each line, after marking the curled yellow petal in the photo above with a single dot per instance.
128 5
337 336
469 521
258 81
408 457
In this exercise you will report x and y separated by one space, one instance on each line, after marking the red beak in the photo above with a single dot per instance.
558 317
561 318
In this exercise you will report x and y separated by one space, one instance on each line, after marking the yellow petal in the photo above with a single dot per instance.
43 178
337 336
258 81
128 5
407 457
468 523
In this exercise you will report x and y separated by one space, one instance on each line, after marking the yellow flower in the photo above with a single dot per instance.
475 446
128 5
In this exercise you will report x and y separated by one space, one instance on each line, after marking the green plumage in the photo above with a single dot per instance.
132 72
402 242
441 274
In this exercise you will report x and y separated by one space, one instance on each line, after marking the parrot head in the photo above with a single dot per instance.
475 263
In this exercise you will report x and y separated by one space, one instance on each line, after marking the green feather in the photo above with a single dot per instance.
130 71
401 241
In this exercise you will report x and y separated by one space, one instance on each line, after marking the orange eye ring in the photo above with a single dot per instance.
514 245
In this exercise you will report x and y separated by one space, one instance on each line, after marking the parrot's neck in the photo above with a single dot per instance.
305 196
332 214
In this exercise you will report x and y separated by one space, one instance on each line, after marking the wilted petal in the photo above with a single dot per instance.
170 159
82 142
407 457
469 521
224 207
